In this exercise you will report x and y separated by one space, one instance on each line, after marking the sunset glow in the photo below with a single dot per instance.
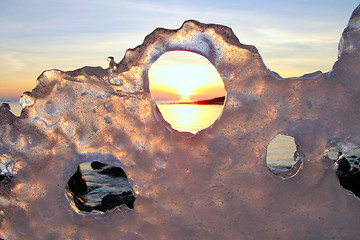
185 96
190 117
293 38
184 76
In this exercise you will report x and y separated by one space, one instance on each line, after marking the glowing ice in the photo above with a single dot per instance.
214 185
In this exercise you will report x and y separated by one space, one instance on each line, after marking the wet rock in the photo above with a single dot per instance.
108 202
351 182
114 172
97 165
349 176
344 167
5 106
112 200
77 184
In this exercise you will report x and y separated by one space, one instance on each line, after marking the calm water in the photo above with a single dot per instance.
280 153
188 117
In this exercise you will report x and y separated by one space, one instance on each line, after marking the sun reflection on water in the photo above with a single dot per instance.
190 117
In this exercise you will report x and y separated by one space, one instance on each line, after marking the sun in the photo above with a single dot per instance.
186 75
185 94
184 97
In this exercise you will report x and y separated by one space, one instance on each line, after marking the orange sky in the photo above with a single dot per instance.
293 37
173 75
16 84
184 75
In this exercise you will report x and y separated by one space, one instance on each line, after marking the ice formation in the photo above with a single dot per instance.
212 185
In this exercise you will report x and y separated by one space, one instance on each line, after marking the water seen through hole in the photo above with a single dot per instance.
97 186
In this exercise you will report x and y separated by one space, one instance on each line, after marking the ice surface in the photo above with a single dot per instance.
212 185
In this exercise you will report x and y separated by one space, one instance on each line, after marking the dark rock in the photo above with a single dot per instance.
5 178
108 202
114 172
77 184
113 200
351 182
97 165
344 167
6 106
349 178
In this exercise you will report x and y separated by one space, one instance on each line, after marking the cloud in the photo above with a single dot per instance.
277 35
66 34
11 62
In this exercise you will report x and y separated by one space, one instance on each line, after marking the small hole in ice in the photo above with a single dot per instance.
98 186
188 90
6 168
347 168
283 157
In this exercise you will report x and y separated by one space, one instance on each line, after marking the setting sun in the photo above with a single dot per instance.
185 76
185 95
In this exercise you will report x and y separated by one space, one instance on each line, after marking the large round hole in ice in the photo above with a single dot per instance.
188 90
283 157
97 186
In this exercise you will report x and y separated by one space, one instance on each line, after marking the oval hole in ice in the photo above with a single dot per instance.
98 186
188 90
347 166
283 157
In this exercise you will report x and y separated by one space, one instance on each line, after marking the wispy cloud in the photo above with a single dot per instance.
68 34
11 62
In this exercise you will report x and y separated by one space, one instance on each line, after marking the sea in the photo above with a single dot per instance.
190 117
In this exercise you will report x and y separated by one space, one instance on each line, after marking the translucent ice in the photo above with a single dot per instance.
212 185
